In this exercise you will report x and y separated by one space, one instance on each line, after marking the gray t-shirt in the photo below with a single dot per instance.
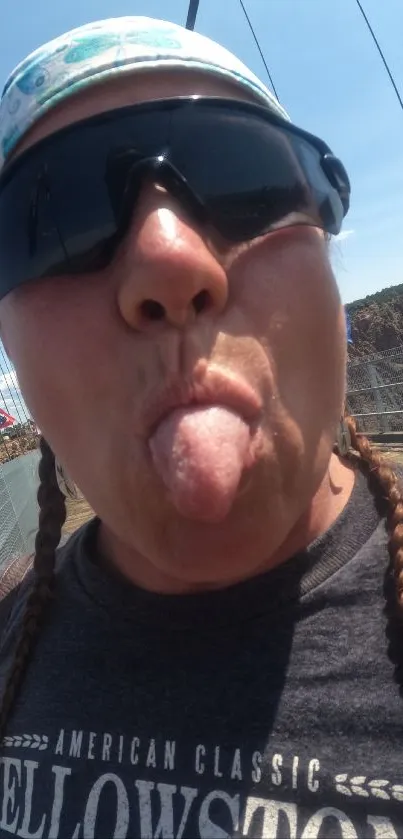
269 709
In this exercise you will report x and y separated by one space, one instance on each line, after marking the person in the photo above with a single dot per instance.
215 654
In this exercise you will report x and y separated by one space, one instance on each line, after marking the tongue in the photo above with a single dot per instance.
200 454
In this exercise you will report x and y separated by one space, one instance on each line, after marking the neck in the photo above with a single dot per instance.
326 506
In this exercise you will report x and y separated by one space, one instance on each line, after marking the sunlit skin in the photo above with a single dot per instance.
89 361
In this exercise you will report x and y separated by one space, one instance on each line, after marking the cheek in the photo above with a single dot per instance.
287 287
54 334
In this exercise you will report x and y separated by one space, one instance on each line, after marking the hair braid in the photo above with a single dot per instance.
52 515
384 484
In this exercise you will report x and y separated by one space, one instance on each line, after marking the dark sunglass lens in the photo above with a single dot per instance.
81 202
29 238
245 170
107 180
65 205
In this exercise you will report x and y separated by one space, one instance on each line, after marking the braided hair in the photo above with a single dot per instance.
382 480
385 487
52 515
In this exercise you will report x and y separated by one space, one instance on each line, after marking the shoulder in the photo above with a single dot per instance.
17 580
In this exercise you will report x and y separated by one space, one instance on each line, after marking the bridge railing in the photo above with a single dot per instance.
375 392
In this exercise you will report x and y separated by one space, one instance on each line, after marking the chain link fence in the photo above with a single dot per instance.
18 469
375 392
18 507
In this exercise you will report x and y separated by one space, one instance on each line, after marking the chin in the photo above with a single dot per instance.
208 553
201 572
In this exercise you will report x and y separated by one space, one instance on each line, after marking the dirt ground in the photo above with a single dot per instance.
78 512
10 449
394 456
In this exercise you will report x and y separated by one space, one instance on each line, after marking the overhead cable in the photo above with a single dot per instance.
386 65
259 47
192 14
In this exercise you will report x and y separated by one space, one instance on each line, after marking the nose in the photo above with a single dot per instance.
167 273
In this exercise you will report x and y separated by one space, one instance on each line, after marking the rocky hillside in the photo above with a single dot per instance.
376 322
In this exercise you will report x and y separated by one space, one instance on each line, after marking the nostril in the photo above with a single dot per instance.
201 301
152 310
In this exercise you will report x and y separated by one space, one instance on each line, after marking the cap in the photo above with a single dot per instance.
105 49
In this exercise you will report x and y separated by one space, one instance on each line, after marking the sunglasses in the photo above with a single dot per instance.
67 202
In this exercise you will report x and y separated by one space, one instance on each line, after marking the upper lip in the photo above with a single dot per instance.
215 388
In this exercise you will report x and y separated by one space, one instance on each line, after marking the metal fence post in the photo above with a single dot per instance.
373 378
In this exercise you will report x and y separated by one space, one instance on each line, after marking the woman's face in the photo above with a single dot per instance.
93 363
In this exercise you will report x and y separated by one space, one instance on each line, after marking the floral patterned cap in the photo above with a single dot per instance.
99 51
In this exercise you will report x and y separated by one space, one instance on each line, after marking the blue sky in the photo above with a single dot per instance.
328 75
